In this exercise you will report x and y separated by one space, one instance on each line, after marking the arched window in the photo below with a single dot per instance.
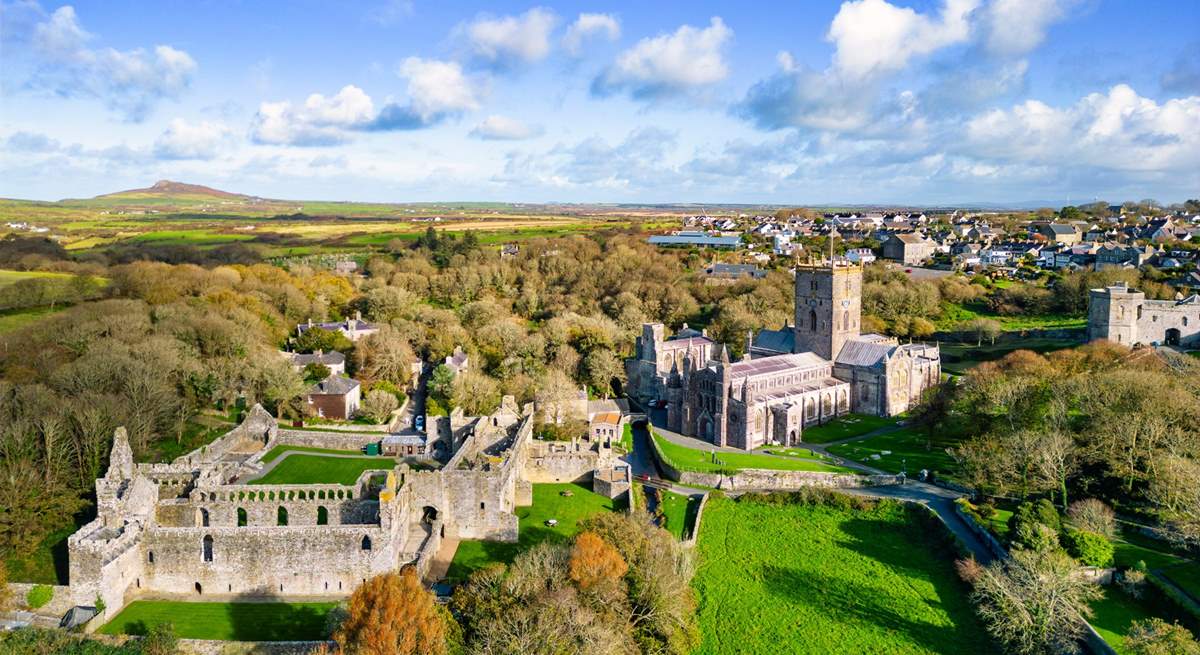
208 548
845 320
203 517
812 320
1184 321
243 520
281 516
322 516
366 542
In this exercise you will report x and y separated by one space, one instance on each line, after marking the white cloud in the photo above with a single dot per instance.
319 121
512 40
874 36
669 64
502 128
129 81
1017 27
587 26
1118 130
184 140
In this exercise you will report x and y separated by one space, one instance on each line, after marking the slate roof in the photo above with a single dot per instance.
686 342
780 341
334 385
910 238
864 353
775 364
331 358
689 240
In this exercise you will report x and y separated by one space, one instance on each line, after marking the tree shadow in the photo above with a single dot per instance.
264 616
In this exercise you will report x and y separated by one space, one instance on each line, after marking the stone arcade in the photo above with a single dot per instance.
789 379
196 528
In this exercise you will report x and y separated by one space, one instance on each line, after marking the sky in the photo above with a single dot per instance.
916 102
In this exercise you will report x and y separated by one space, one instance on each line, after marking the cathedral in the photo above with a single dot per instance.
789 379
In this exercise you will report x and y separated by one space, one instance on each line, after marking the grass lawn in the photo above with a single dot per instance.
906 448
954 314
229 621
701 461
957 358
1116 611
548 503
627 438
1186 576
844 427
16 319
998 524
319 469
679 511
773 578
1126 555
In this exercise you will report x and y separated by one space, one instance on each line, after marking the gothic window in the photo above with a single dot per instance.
322 516
366 542
812 320
203 517
281 516
1121 311
845 320
242 519
208 548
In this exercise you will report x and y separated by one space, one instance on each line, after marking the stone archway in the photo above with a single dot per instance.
706 428
1172 337
429 514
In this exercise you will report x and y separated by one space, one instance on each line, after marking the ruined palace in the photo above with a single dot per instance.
1124 315
200 527
788 379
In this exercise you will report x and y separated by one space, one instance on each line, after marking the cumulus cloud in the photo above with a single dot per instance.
128 81
587 26
511 41
502 128
437 90
1117 130
669 64
184 140
319 121
874 36
1017 27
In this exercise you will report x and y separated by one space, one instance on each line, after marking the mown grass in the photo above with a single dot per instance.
845 427
319 469
679 513
702 461
1186 576
954 314
817 579
908 449
225 621
275 452
958 358
548 503
1116 611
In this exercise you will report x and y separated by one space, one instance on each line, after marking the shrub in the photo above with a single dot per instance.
1035 525
39 595
1132 582
1090 548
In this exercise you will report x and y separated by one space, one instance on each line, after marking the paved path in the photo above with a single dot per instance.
441 561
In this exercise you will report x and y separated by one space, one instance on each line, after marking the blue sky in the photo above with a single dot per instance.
806 102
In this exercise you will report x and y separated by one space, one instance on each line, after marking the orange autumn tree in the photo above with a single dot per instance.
593 561
393 614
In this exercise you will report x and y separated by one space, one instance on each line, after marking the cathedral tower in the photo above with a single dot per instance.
828 306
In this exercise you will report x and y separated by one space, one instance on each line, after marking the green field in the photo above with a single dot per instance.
228 621
8 277
958 358
275 452
702 461
1116 611
775 578
319 469
17 319
1186 576
548 503
845 427
908 449
679 511
954 314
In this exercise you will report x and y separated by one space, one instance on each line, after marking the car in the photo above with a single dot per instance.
419 423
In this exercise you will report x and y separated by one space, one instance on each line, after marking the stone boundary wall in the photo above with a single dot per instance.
317 439
983 533
690 542
59 603
216 647
429 549
768 479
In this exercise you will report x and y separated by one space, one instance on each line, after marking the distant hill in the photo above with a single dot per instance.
175 190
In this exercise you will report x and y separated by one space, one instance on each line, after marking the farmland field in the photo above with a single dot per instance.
828 580
548 503
8 277
322 469
17 319
701 461
227 621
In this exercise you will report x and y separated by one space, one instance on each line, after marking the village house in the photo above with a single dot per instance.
353 328
332 360
335 397
458 361
909 248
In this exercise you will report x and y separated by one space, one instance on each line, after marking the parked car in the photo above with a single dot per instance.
419 423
